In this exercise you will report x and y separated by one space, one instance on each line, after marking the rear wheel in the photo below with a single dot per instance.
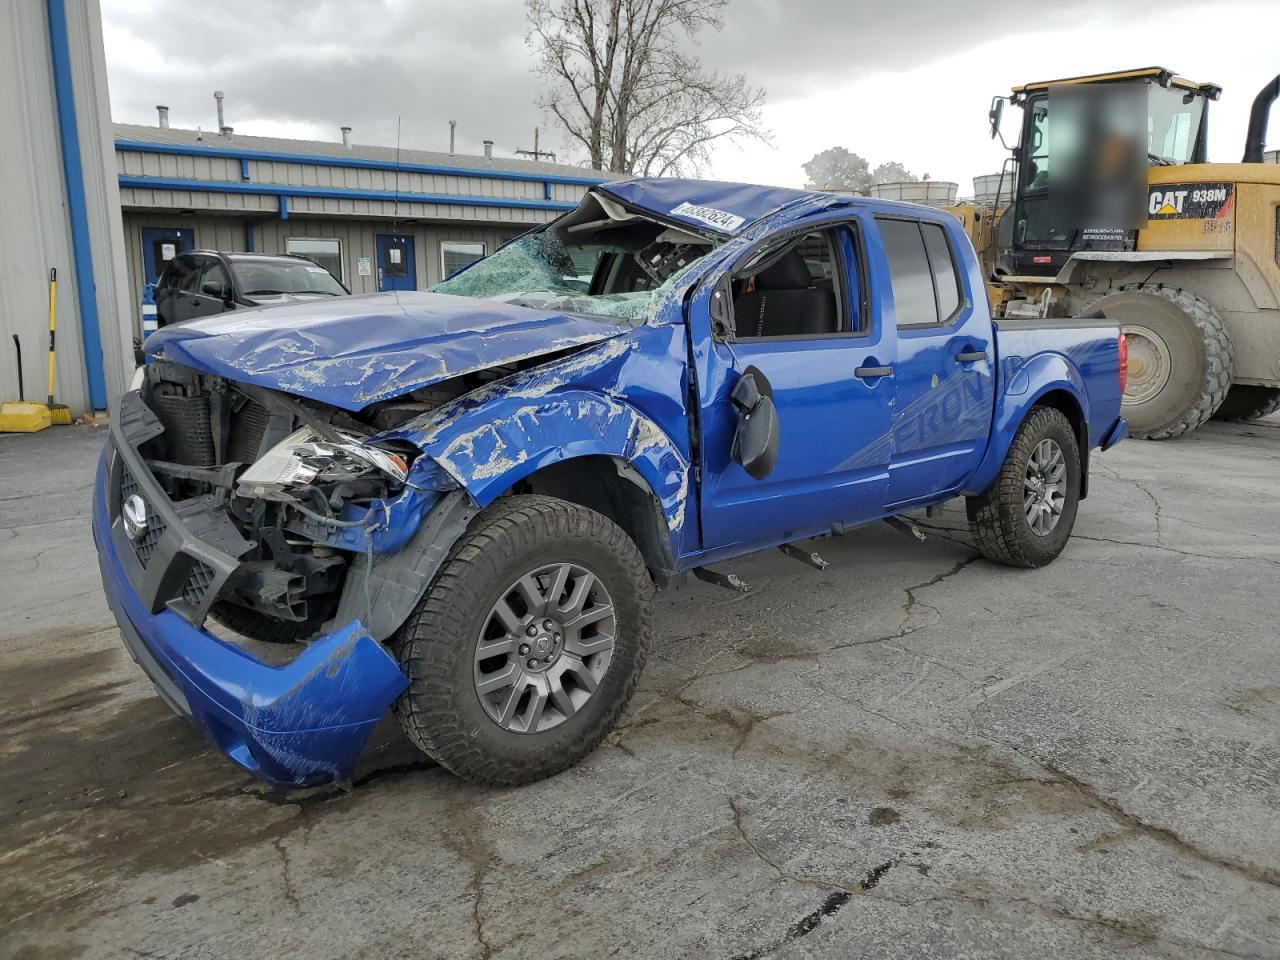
1180 358
1025 517
1247 402
528 644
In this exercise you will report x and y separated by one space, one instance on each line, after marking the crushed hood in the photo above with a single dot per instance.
353 351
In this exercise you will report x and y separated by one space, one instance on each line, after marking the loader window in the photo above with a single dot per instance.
1173 121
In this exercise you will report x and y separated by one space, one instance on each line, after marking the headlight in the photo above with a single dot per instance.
303 458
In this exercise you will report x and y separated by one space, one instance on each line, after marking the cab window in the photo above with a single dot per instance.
922 272
796 287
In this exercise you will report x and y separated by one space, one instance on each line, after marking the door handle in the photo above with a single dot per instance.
873 373
971 356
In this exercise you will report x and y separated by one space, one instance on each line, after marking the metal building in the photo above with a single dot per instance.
61 208
378 218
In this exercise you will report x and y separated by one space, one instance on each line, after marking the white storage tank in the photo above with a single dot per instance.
935 193
986 186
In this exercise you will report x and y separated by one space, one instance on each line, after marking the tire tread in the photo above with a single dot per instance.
428 645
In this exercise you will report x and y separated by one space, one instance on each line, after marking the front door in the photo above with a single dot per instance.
397 268
944 402
800 317
160 245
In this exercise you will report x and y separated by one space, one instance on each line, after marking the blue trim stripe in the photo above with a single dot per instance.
77 206
336 193
184 150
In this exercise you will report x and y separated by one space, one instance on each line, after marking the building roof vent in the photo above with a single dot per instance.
163 112
227 132
346 137
488 149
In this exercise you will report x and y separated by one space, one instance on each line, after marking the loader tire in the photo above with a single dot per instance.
1180 358
1247 402
1025 517
528 644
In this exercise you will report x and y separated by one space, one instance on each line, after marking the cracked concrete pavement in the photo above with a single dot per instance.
912 753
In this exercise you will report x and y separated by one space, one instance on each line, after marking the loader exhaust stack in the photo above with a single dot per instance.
1256 139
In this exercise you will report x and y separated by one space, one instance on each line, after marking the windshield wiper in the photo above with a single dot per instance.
259 293
1160 161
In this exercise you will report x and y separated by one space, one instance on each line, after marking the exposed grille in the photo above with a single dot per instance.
146 545
197 584
188 432
248 425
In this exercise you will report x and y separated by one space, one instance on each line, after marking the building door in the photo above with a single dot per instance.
162 244
397 269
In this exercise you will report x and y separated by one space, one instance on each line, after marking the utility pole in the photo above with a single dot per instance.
535 153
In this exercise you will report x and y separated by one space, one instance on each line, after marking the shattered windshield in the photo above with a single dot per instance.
587 263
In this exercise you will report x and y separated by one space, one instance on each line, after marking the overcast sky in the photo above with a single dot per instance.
906 81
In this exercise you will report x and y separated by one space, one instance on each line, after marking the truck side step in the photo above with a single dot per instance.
809 557
907 527
730 581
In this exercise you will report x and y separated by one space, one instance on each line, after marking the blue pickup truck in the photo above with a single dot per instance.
459 503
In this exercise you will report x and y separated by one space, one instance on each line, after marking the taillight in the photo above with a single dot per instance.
1123 347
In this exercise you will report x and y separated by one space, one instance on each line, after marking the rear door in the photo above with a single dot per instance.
945 354
209 294
805 321
175 287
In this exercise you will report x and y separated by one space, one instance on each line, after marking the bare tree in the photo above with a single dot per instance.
622 83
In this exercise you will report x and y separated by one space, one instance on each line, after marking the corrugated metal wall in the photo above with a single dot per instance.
35 232
302 174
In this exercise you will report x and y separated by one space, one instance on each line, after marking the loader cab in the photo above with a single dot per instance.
1037 233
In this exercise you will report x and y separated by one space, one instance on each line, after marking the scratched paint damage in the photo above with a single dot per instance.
356 351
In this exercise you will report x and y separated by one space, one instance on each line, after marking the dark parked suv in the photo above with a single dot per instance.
205 282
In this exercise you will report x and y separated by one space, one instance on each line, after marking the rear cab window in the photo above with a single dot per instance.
922 272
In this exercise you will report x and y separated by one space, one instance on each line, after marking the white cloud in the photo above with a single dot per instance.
932 117
907 82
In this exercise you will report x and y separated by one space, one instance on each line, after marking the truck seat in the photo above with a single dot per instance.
785 303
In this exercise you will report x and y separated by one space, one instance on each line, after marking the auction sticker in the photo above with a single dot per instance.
720 219
1190 201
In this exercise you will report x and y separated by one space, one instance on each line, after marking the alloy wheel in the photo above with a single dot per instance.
544 648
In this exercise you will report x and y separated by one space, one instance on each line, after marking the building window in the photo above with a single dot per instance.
454 255
324 253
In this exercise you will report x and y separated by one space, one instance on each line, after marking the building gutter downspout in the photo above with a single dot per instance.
77 207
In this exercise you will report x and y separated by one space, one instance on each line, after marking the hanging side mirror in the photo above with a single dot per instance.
994 115
755 444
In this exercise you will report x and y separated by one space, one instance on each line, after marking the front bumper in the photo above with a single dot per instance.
296 725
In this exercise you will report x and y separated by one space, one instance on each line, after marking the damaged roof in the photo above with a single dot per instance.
723 208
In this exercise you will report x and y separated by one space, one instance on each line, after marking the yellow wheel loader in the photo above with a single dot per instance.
1194 279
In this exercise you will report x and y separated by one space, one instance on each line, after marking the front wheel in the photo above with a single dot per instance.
528 644
1025 517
